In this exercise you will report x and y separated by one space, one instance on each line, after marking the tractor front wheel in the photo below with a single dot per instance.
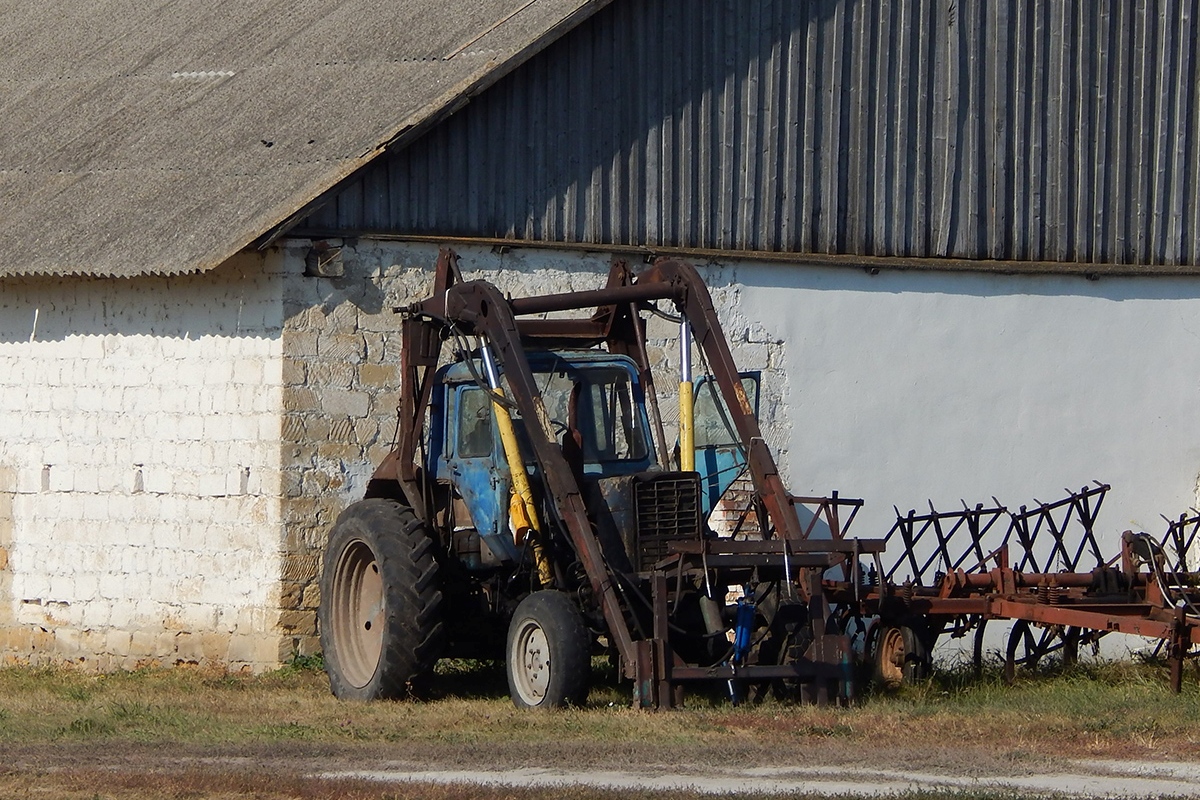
381 602
549 653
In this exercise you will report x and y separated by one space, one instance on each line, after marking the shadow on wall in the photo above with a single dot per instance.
360 283
241 298
965 284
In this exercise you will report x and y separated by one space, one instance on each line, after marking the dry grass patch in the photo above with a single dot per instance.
1109 710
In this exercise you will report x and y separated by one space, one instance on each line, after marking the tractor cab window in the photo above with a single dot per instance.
598 402
714 426
474 423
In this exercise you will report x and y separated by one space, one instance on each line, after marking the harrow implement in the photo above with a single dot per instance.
1045 571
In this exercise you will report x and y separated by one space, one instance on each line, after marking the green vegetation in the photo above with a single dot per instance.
1094 709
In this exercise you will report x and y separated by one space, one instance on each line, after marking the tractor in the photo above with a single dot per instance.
532 510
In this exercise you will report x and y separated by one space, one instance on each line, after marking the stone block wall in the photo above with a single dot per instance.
139 469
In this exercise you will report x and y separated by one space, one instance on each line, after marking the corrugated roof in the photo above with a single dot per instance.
159 137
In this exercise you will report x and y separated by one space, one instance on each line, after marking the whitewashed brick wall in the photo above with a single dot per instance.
140 469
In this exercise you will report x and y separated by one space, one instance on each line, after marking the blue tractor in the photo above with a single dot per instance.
533 511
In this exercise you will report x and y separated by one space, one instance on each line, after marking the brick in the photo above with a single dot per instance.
342 347
312 596
334 451
366 431
214 646
62 479
8 483
92 642
313 481
306 645
342 319
341 430
300 399
143 643
218 372
188 647
378 347
335 374
247 649
317 428
301 343
249 371
16 639
217 428
346 403
300 568
298 622
67 642
379 376
295 372
243 427
117 642
41 639
291 595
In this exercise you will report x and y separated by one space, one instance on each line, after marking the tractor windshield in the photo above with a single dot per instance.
595 405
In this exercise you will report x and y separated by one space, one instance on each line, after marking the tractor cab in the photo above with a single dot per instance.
596 413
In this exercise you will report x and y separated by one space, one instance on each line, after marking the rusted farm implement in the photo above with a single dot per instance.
1041 567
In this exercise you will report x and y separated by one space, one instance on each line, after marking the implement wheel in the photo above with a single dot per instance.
900 655
1029 644
381 603
549 653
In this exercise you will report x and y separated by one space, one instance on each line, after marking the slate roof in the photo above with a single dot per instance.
163 136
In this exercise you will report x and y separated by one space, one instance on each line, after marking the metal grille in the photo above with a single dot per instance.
668 509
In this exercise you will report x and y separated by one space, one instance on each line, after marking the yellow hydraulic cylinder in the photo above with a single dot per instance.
687 421
521 507
687 428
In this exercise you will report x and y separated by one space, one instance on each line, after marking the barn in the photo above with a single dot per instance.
961 242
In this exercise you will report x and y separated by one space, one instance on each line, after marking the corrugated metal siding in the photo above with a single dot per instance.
1039 130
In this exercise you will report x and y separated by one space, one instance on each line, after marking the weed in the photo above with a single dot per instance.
88 726
310 663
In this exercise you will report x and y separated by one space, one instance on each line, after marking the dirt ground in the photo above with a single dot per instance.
134 771
1100 731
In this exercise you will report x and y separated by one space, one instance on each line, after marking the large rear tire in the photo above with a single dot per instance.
549 653
381 602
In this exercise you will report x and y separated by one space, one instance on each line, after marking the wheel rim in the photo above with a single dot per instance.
358 612
531 662
891 656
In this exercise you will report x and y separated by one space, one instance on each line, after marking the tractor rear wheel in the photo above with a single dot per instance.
549 653
381 602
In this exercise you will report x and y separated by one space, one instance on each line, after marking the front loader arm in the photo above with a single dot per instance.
478 307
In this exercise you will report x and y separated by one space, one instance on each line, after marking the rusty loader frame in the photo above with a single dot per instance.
778 550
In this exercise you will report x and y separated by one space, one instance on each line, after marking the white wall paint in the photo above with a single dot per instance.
907 386
141 442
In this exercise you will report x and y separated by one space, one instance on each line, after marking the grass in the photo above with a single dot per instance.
1096 709
73 732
